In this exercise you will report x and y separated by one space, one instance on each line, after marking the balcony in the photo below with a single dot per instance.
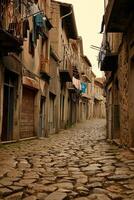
71 87
85 96
98 97
66 71
9 43
65 75
117 15
109 62
86 78
10 27
45 68
76 72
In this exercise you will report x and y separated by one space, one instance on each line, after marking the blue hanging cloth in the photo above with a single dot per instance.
83 87
39 26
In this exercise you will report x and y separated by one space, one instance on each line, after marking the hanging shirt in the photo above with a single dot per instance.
83 87
39 26
39 20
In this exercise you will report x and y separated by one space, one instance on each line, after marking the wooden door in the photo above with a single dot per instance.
27 114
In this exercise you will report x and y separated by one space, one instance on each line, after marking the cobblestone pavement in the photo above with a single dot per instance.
75 164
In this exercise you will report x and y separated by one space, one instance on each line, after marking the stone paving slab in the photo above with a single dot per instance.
77 163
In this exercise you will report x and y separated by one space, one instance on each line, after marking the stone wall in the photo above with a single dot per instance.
1 95
123 88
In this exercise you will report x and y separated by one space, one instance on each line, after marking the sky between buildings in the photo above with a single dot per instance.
88 15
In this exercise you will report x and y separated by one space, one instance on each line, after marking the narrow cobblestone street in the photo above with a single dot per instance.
75 164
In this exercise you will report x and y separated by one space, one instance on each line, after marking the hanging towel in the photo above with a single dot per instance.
83 87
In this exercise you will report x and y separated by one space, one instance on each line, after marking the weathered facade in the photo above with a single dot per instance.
117 55
25 69
42 70
60 36
92 87
75 68
85 107
10 72
99 99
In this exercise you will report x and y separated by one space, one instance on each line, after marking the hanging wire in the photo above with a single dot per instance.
95 47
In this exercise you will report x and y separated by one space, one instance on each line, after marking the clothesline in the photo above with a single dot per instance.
36 13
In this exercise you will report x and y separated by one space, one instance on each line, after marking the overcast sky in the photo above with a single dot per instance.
88 14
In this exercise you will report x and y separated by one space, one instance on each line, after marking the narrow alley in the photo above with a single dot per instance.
77 164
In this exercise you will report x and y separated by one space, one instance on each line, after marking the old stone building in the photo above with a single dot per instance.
116 56
62 19
74 86
25 68
36 75
10 73
45 78
75 68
